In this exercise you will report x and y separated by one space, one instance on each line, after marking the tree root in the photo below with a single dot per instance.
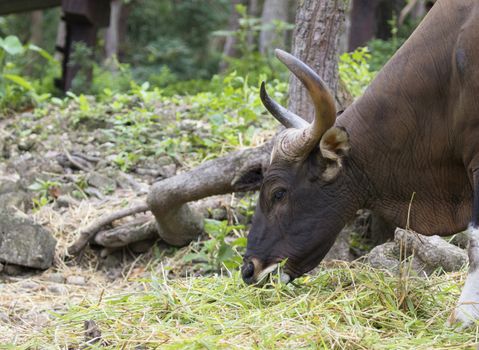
87 234
137 230
177 222
428 253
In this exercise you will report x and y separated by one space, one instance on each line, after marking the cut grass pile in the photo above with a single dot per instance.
343 306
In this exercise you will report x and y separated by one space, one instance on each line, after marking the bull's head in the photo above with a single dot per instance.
307 194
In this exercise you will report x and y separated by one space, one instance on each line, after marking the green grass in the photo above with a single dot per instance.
341 307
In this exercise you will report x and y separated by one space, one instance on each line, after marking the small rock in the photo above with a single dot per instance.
56 278
168 170
126 181
434 251
219 214
76 280
101 182
65 201
57 289
384 256
113 274
340 249
111 261
30 285
164 160
94 192
4 317
22 242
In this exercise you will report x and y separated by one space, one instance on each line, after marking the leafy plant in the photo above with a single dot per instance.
354 70
46 192
17 91
221 249
250 62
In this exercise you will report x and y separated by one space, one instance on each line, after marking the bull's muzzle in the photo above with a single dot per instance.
254 272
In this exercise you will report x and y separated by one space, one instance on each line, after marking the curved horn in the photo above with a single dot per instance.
285 117
323 101
297 143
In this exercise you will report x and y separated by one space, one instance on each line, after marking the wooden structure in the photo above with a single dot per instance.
82 19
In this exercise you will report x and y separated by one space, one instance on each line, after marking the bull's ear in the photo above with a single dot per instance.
334 145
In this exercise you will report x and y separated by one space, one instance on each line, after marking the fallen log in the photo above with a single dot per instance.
177 222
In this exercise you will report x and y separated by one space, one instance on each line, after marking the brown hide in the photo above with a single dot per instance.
416 129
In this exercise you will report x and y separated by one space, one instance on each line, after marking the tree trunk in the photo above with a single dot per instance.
253 11
112 34
36 29
269 38
316 36
60 40
229 49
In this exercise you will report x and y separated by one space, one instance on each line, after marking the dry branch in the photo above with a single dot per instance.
178 224
133 231
432 250
94 228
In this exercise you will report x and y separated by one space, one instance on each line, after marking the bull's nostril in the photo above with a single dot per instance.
248 270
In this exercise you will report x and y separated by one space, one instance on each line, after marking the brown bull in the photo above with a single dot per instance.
415 130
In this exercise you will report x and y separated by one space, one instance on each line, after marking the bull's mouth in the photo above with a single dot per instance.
260 277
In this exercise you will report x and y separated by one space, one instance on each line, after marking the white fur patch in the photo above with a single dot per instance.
467 310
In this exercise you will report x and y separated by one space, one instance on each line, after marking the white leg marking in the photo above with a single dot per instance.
467 310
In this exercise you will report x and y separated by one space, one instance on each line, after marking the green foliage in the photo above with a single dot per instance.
249 61
354 70
224 247
44 190
199 127
16 89
175 34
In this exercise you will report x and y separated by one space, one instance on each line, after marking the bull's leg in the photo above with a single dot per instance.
467 310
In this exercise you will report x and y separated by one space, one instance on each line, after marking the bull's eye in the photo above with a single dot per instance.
278 195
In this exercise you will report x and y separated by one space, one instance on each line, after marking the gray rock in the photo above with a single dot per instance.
422 254
102 182
30 285
57 289
111 261
13 195
56 277
219 213
434 251
384 256
22 242
65 201
77 280
4 318
340 249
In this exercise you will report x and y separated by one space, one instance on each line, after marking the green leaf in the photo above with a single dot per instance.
240 242
225 253
12 45
19 81
42 53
